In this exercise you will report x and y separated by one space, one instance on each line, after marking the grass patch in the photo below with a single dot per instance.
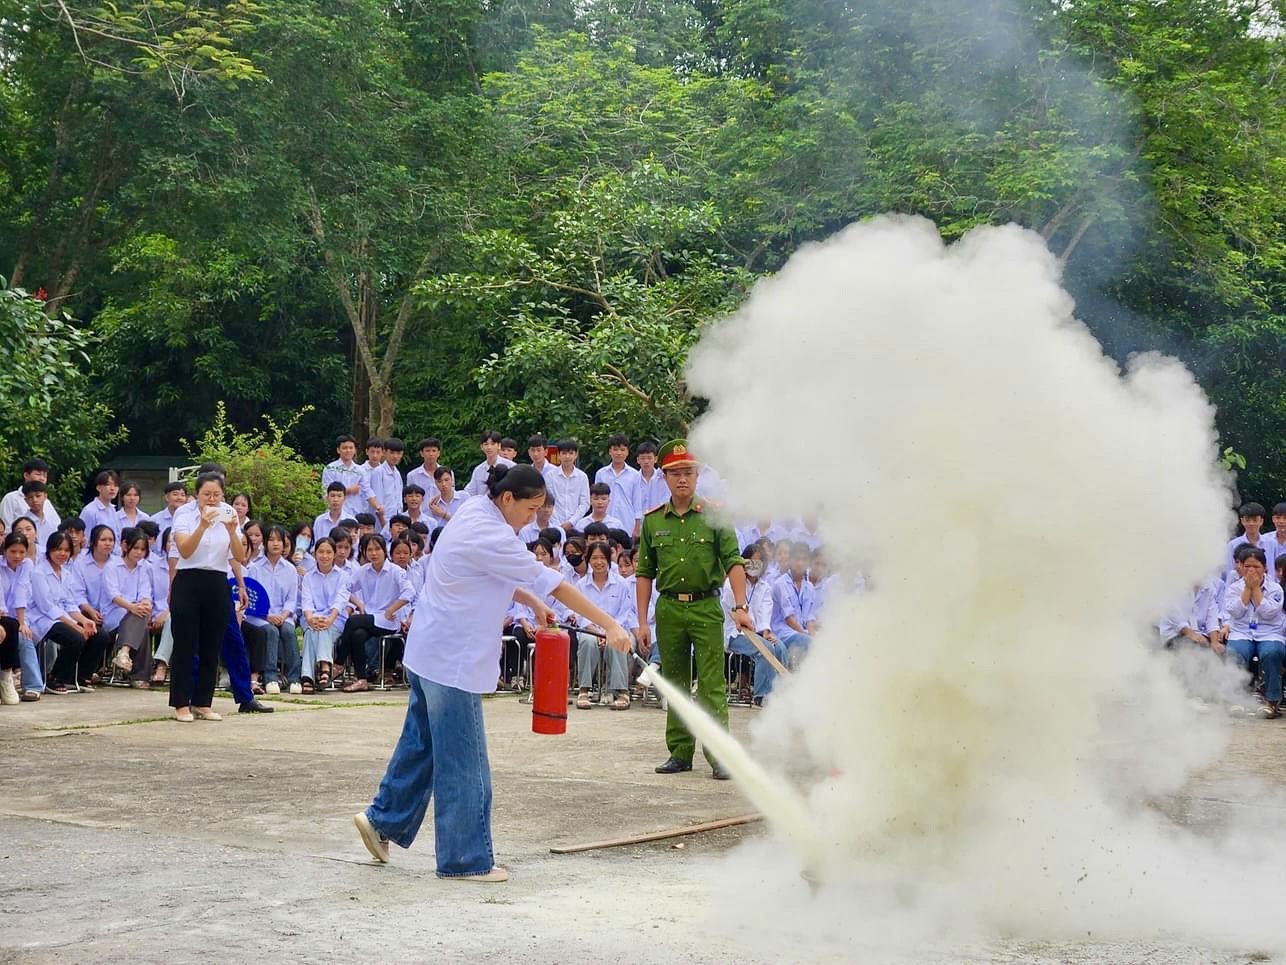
99 726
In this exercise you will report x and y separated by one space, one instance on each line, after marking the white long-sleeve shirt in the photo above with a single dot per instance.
1262 622
790 601
652 492
478 478
626 494
613 597
478 564
350 474
323 592
1198 610
758 599
571 495
281 580
380 589
132 584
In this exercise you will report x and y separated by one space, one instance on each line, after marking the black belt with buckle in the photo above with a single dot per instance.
689 597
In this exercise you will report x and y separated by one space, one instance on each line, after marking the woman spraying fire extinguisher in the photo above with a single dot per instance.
478 568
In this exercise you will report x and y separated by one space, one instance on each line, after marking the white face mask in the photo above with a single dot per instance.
754 568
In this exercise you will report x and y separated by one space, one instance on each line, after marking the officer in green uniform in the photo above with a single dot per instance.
688 556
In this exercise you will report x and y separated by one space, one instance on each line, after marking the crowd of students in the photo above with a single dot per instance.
86 599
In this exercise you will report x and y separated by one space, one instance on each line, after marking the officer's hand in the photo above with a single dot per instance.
619 639
644 635
742 619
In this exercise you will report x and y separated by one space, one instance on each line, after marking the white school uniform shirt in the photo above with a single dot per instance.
747 535
478 563
817 603
281 580
46 526
758 599
458 499
1230 569
608 520
15 587
613 598
1273 548
424 479
95 513
214 552
626 495
1264 622
323 525
14 505
323 592
425 517
652 492
124 520
790 602
163 520
132 585
379 590
353 474
52 598
547 472
571 495
90 580
386 483
160 586
477 485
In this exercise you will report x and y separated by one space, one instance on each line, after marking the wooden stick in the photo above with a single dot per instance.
659 835
768 654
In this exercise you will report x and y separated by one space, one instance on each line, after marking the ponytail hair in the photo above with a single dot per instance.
523 481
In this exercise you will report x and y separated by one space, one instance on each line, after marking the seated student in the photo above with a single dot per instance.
17 571
280 578
573 562
325 611
253 531
402 555
366 526
162 575
446 502
88 576
398 526
422 530
344 562
533 530
600 494
55 617
778 559
1251 516
759 600
611 594
101 511
244 507
792 598
1195 617
416 512
254 634
14 505
328 520
554 537
129 607
823 579
378 592
24 527
39 511
1252 614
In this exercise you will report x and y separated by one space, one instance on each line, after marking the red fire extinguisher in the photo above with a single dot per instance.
549 682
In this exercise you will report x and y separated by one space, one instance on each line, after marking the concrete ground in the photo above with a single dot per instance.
128 837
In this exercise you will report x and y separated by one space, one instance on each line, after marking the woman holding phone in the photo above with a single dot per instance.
206 537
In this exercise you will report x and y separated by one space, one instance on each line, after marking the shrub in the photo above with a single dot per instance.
284 487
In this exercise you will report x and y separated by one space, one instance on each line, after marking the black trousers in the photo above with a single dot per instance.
360 640
256 646
9 645
70 645
200 605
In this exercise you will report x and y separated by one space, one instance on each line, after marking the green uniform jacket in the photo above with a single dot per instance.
685 553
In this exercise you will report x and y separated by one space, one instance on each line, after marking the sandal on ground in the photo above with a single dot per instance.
256 688
307 685
55 687
205 713
323 682
357 687
622 701
122 660
583 701
87 686
30 696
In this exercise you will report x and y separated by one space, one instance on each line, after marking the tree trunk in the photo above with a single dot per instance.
382 408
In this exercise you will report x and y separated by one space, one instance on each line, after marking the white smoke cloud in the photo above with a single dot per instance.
992 709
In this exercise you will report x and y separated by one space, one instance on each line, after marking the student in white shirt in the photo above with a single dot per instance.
509 450
544 516
429 449
624 484
280 578
13 505
653 491
1251 516
479 568
600 495
176 495
1253 614
490 445
54 616
1194 617
129 514
446 502
379 590
611 594
325 608
129 607
759 601
101 510
358 497
792 599
538 450
39 510
413 497
335 500
388 482
570 486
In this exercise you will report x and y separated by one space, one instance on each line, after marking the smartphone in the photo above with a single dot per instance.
227 514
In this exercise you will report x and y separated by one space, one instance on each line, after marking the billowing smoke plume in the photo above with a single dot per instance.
990 708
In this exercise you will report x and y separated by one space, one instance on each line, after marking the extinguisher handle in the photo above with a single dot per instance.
592 633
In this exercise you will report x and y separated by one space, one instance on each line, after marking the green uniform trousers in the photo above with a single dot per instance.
692 628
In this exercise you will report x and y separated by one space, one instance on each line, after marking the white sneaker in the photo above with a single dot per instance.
296 688
375 842
273 688
8 692
122 660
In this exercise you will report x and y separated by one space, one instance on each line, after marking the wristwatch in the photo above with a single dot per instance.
741 606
